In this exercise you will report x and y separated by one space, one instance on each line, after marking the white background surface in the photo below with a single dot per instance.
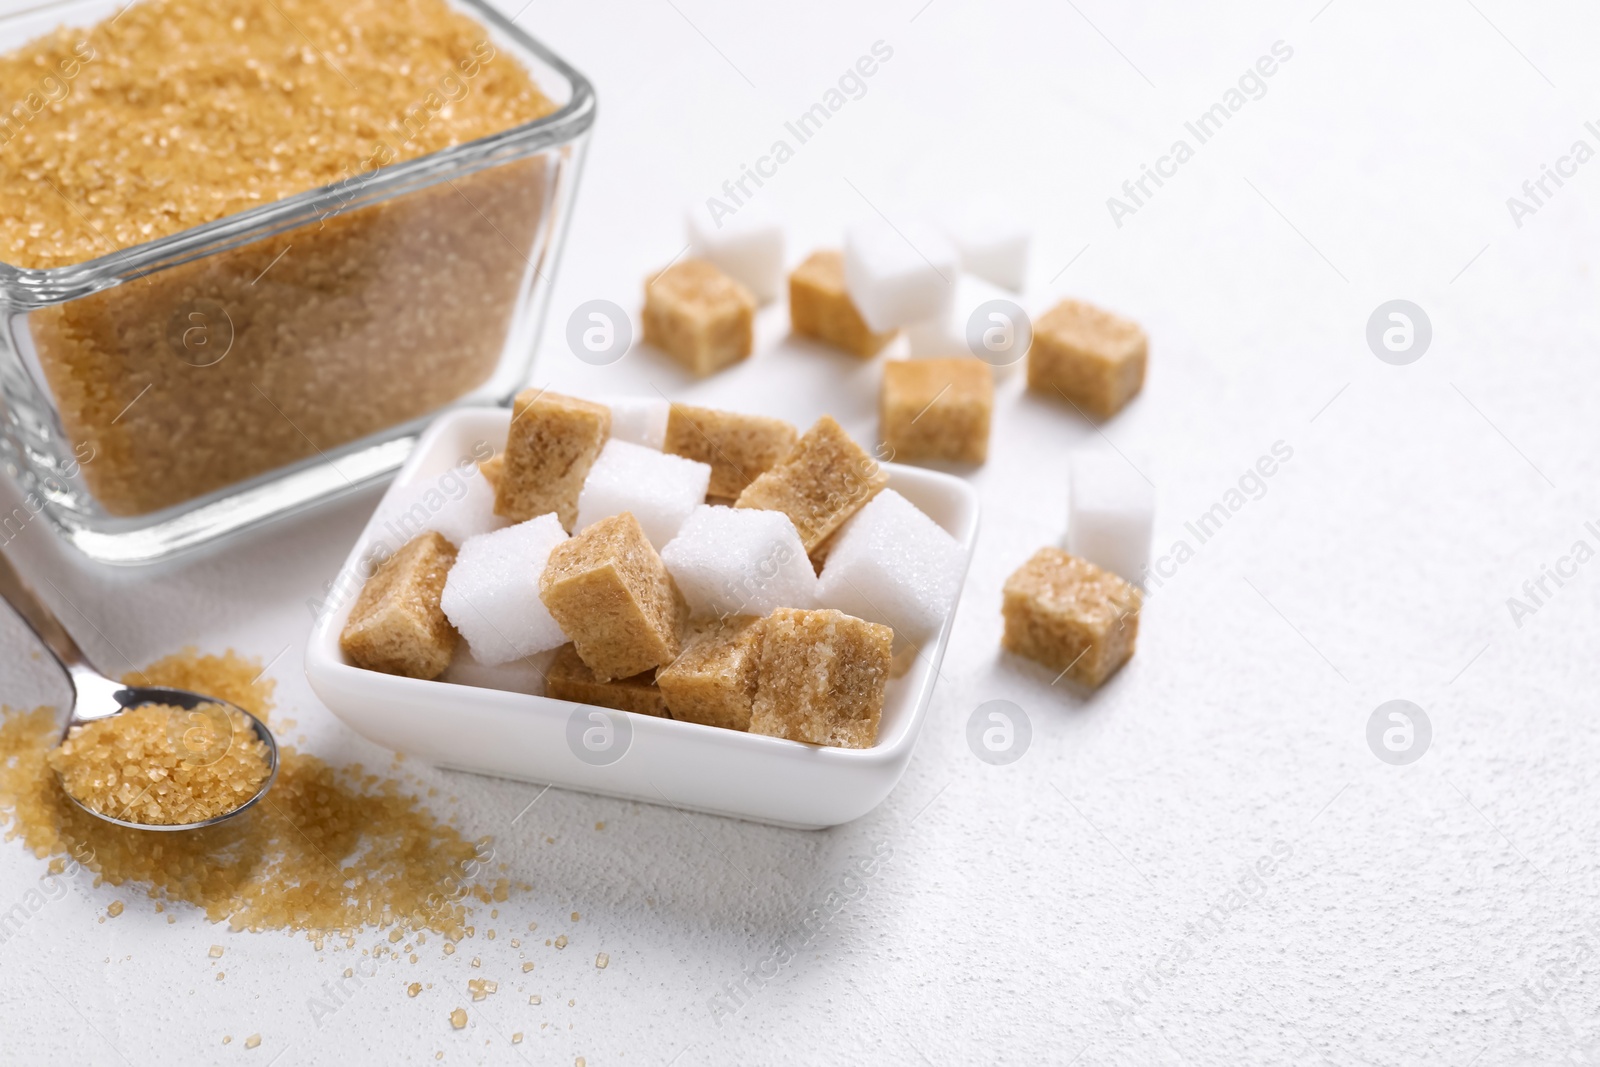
1420 903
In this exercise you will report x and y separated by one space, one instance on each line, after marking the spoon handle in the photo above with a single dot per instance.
43 622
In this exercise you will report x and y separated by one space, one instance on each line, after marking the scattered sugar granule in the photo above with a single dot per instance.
561 941
449 949
114 908
602 960
516 1038
413 989
515 943
576 916
253 1041
396 934
600 825
490 935
477 961
458 1018
526 967
221 975
216 952
227 1039
534 999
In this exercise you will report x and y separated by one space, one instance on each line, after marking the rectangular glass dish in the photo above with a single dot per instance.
617 753
168 393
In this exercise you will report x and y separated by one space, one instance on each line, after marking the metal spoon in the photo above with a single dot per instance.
96 696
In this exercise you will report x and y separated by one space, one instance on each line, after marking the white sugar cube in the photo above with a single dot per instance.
993 243
639 420
740 561
747 245
518 676
458 504
492 592
938 337
947 335
897 276
660 489
1110 512
893 565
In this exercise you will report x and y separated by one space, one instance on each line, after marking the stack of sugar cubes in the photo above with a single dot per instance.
664 559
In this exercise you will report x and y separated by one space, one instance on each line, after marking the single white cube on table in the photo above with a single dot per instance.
746 245
1110 512
992 242
898 275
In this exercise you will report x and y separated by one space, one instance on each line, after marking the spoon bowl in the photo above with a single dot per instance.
136 696
97 696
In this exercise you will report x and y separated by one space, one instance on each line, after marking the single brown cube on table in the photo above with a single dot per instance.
822 678
936 408
551 444
396 625
1071 616
825 479
699 316
1093 358
570 679
820 307
738 447
713 680
608 590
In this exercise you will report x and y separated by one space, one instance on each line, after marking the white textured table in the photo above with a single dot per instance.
1090 900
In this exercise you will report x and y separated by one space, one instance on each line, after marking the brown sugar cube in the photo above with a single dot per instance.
823 481
822 678
396 625
1093 358
739 448
492 468
552 443
699 316
820 307
1071 616
713 680
569 679
936 408
608 591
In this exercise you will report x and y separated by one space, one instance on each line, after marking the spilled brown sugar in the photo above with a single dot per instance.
162 765
329 850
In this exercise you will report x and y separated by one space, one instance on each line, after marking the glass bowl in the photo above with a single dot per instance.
174 391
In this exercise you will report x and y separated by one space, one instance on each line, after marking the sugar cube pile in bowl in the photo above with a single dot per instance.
667 560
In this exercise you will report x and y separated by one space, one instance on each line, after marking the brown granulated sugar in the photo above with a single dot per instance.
328 850
176 113
162 765
179 113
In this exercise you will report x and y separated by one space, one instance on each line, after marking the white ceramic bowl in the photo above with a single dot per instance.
662 761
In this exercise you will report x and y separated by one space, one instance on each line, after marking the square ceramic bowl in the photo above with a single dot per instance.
577 746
